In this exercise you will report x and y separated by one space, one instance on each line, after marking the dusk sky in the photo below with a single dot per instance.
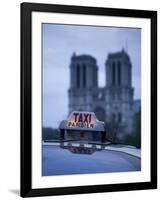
59 43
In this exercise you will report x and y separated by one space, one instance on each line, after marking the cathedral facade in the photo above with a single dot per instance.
112 103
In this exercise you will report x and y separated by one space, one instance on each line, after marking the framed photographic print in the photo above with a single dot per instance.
88 99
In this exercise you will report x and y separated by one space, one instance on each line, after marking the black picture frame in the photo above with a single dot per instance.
26 102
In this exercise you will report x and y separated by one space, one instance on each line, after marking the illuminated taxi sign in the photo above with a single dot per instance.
81 120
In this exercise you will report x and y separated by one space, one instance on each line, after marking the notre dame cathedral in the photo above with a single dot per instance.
111 103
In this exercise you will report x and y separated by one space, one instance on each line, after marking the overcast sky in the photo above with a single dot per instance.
59 43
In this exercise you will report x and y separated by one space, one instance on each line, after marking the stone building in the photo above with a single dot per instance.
112 103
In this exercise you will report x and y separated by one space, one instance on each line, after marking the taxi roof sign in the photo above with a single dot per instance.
79 120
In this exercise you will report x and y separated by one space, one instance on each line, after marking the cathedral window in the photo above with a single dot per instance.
78 76
113 117
113 73
119 117
84 75
119 73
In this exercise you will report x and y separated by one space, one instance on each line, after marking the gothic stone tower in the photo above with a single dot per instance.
83 80
119 91
112 103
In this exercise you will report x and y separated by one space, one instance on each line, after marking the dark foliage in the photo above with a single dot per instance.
135 138
50 134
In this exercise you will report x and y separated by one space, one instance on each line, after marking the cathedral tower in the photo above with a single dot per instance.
119 91
83 78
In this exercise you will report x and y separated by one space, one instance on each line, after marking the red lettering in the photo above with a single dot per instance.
75 116
80 118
